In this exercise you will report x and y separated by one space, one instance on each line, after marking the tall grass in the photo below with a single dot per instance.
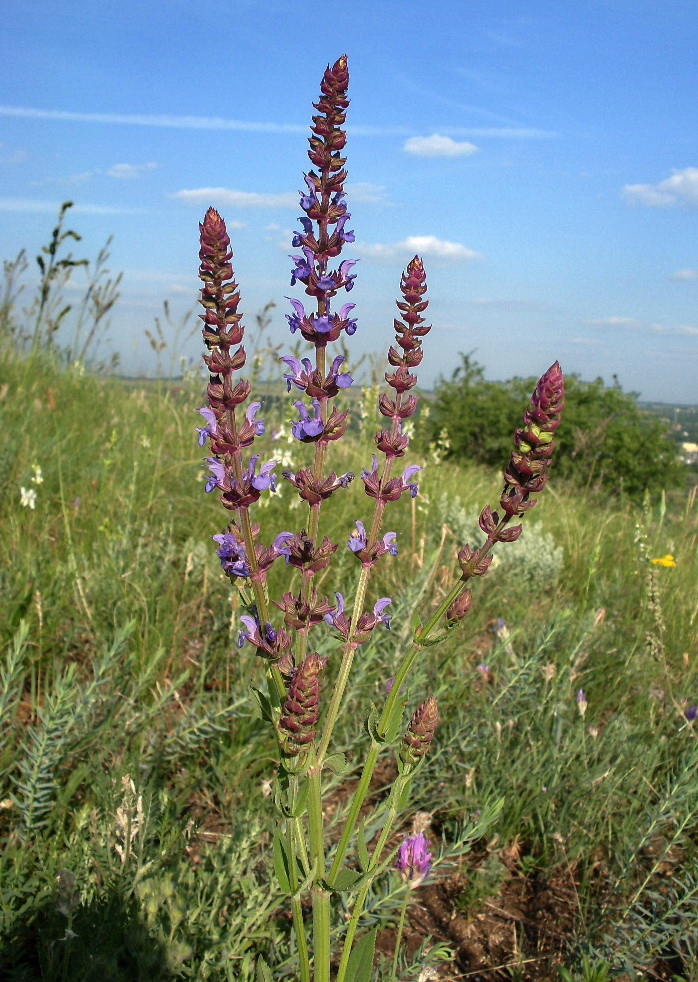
132 762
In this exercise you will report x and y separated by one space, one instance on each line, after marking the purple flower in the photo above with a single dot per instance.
217 474
337 613
358 543
406 475
378 615
231 553
308 427
261 637
342 380
307 230
690 713
303 266
252 410
414 860
581 702
294 320
210 428
344 268
300 371
344 310
483 670
265 479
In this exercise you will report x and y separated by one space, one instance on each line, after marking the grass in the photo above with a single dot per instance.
135 813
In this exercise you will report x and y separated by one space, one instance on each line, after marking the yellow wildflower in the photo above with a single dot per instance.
667 561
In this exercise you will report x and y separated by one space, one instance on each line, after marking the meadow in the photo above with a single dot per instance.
136 803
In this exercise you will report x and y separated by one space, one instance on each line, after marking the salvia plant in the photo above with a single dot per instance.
283 630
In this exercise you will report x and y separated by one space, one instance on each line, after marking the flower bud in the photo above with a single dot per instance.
419 733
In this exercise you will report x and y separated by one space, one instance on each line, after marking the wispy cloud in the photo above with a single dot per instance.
684 275
438 146
236 199
641 327
421 245
28 205
130 171
171 121
679 189
68 180
366 193
9 156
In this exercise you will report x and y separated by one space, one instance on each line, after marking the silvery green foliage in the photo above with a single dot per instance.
534 561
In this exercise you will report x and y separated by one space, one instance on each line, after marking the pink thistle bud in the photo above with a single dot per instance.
420 731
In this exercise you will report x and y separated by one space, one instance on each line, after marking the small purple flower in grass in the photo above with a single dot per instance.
308 428
210 428
581 703
483 670
414 860
691 713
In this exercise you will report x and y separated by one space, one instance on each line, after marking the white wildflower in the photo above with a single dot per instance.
38 476
27 498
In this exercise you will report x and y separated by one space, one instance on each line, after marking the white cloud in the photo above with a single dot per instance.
421 245
640 327
685 275
614 322
68 180
237 199
438 146
126 171
29 205
366 193
252 126
679 189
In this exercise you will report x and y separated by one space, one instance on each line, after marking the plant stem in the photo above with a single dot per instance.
395 796
398 939
321 898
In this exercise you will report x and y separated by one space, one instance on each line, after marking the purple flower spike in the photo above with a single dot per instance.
414 860
357 540
342 380
300 372
308 428
303 266
691 713
217 477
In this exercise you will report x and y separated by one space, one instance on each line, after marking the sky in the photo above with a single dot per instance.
540 157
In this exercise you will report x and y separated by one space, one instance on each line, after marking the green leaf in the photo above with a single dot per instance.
371 725
261 707
360 964
337 763
263 973
281 867
361 846
301 799
394 720
345 880
405 794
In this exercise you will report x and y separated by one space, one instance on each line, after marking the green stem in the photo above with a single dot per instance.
321 898
298 925
398 939
395 795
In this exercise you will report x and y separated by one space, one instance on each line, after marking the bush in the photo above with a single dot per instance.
606 441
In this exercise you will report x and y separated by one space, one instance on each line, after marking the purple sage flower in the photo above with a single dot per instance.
308 428
206 431
414 860
231 553
691 713
217 477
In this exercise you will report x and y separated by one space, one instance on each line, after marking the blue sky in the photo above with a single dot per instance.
541 157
